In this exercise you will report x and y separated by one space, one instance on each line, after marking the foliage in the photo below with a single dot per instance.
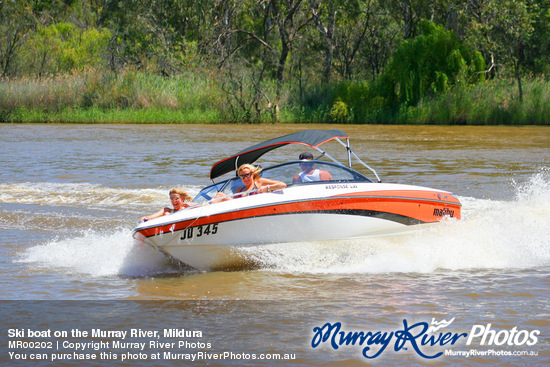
340 112
347 61
65 47
16 22
134 96
430 64
490 103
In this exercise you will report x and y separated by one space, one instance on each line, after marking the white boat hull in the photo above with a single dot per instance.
209 237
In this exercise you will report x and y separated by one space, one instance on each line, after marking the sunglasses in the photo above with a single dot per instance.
246 175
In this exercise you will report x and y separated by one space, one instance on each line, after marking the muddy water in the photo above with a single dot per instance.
70 196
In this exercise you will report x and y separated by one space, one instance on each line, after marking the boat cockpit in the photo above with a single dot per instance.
288 173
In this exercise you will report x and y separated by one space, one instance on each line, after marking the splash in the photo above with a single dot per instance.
492 235
98 255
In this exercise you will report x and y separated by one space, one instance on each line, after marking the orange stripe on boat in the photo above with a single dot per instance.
425 208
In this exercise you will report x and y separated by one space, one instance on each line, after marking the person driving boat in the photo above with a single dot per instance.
309 174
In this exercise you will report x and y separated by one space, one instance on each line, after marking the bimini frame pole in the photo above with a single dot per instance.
350 153
237 165
348 148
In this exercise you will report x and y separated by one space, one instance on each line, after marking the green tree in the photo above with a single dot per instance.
64 47
410 13
511 34
259 36
512 30
162 36
16 22
365 39
430 64
324 17
537 53
291 17
241 45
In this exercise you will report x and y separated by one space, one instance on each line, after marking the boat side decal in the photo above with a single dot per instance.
443 212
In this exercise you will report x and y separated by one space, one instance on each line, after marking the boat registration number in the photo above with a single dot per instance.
199 231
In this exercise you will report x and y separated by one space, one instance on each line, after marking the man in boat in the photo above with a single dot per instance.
309 174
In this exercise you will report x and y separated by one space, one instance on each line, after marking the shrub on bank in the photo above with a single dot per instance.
491 103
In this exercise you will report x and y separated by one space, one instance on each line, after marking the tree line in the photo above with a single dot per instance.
347 57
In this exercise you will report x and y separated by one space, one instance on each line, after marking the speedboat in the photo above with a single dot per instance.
214 234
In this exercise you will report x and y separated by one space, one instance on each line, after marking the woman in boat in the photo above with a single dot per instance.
253 183
250 176
179 198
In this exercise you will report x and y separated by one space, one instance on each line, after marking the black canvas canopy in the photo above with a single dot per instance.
312 138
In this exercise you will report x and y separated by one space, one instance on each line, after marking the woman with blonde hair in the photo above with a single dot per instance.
180 200
253 183
250 176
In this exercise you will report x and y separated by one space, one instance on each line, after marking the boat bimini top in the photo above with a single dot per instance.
312 138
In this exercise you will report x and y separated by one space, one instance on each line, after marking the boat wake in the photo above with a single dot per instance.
98 196
492 235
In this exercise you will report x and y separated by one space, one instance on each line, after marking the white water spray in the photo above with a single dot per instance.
491 235
98 255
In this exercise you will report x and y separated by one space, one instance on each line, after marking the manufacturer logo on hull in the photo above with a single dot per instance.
443 212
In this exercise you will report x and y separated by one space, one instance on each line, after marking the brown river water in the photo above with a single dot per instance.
75 290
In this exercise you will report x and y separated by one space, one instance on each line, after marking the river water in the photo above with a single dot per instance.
70 196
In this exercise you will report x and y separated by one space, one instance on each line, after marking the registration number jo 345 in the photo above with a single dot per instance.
199 231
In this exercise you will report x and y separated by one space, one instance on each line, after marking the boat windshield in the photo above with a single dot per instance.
289 174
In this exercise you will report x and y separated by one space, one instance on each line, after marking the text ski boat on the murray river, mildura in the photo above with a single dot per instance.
208 236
